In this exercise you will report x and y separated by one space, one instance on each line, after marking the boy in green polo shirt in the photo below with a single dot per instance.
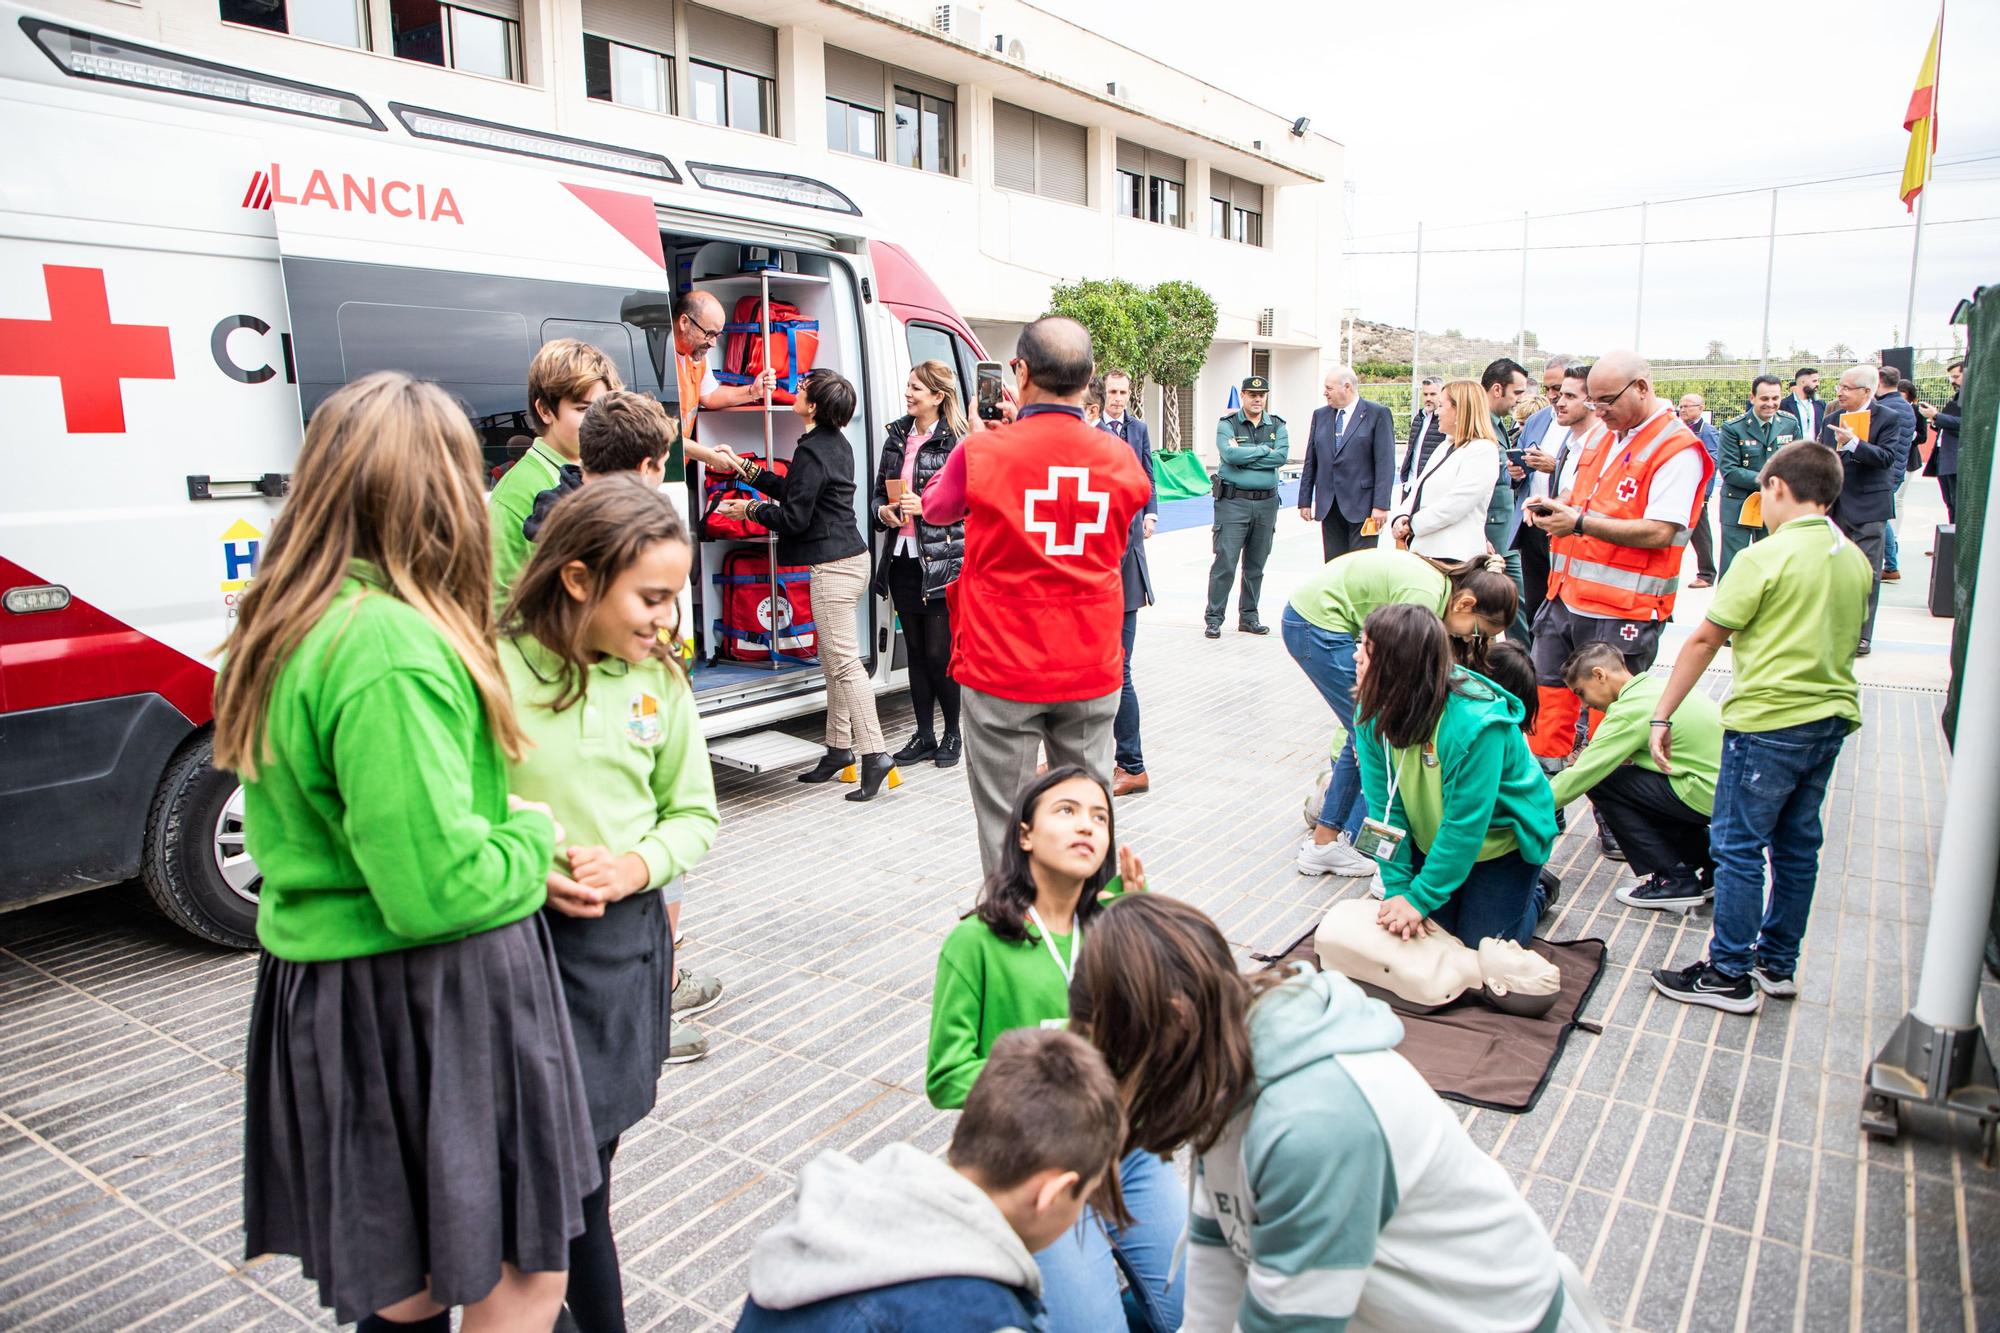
564 379
1661 819
1793 604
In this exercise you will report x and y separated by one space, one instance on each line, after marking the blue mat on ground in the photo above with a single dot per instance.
1199 511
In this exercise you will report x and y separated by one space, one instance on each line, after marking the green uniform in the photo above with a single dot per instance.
624 767
1746 444
1245 528
1341 594
1794 603
1499 518
379 817
1626 736
508 507
987 986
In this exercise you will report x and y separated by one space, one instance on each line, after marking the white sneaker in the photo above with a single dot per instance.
1335 858
1376 889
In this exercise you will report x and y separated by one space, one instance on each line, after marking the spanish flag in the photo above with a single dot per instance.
1921 121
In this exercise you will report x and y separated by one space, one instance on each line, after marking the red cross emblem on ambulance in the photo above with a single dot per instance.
84 351
1059 517
1628 489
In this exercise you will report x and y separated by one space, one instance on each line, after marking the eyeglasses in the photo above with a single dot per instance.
1602 404
710 334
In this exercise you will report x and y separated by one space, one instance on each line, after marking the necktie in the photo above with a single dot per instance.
1339 423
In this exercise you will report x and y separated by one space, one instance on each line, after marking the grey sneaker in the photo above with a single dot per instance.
688 1045
694 994
1777 985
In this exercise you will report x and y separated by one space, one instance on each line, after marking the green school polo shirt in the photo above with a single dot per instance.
1794 603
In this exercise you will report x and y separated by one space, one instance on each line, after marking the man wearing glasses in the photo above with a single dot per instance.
1617 539
698 324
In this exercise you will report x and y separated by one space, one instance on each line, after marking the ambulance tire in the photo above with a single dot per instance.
180 867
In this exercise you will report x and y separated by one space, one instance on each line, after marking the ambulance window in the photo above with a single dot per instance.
478 356
928 342
614 340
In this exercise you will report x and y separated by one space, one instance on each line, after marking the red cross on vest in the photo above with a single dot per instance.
80 346
1060 519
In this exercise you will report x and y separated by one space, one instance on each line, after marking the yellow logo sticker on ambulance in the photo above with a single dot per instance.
642 722
239 555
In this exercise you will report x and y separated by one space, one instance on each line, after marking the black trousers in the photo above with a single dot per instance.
1337 536
1658 830
1704 545
1949 487
927 639
1533 544
596 1297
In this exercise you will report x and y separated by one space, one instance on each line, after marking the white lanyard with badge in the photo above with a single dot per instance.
1378 837
1067 969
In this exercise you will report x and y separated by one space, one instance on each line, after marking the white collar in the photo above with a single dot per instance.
1664 411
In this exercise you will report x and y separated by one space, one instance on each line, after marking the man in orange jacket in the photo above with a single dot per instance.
1617 539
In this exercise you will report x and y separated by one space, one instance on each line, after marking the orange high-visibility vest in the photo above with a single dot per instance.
1602 578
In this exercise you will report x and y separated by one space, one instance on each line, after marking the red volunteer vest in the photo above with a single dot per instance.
1615 480
1037 612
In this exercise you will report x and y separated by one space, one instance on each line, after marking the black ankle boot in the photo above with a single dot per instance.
920 748
950 750
875 770
829 766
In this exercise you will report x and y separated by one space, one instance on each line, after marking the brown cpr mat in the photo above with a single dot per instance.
1473 1053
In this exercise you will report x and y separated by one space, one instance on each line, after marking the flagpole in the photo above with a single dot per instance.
1916 251
1917 241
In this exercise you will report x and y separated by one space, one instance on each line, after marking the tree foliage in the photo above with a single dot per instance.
1159 334
1115 313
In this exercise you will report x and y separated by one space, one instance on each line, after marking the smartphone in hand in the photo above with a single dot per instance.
990 390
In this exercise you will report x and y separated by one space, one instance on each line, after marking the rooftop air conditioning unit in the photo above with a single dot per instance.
1011 47
1267 322
960 21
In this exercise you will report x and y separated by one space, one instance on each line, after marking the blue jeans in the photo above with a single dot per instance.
1327 658
1125 729
1501 899
1080 1274
1889 547
1767 800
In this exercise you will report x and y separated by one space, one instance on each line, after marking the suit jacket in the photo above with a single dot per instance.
1870 469
1944 458
1137 576
1810 413
1711 440
1533 431
1356 471
1417 452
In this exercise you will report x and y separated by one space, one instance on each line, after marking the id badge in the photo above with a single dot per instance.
1377 839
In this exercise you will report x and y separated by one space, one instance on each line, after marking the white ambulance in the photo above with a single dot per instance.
192 257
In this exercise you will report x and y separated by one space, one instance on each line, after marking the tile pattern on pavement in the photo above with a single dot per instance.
1706 1172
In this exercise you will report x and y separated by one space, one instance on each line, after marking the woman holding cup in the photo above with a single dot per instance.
917 559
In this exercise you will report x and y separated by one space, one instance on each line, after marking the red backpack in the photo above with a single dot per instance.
720 486
794 344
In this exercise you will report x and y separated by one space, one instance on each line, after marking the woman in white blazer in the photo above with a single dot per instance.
1443 513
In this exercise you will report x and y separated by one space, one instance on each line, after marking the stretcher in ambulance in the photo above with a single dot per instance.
192 257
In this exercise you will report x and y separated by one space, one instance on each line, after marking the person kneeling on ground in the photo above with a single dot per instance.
1661 820
1332 1188
906 1242
1462 817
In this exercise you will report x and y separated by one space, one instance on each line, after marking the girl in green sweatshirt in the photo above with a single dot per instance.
415 1124
1445 764
618 756
1009 965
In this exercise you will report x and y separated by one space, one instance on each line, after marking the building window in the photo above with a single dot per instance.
1038 154
925 138
465 39
627 75
853 129
1131 194
1166 202
732 70
340 21
1151 185
730 97
1235 208
1260 361
1246 227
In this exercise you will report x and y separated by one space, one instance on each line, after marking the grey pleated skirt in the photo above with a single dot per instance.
416 1116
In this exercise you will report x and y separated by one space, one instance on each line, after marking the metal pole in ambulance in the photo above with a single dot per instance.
771 537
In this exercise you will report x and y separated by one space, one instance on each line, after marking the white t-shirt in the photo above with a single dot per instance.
1539 482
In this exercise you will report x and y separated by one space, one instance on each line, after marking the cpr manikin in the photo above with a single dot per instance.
1433 969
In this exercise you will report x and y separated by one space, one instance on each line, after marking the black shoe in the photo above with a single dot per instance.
1862 649
875 770
921 747
950 750
1609 845
1212 632
829 766
1700 983
1665 891
1552 887
1778 985
1253 628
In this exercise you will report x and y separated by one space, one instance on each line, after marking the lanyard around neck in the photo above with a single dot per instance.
1068 969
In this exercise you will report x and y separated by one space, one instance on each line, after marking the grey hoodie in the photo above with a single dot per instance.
901 1216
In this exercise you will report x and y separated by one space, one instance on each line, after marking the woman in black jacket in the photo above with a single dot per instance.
815 522
917 558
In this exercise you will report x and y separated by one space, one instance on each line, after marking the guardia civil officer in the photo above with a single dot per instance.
1252 444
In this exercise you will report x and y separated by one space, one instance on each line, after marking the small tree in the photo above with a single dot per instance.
1116 315
1840 352
1183 318
1716 351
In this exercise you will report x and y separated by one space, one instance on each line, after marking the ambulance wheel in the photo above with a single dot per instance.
197 868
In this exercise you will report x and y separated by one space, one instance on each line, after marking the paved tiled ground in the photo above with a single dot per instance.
1705 1172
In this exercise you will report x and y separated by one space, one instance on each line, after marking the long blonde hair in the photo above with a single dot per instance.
389 472
1468 403
939 378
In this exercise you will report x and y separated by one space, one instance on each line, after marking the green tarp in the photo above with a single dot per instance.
1179 474
1981 403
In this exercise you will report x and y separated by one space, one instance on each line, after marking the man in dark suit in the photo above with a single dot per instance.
1425 433
1888 392
1129 777
1350 465
1943 463
1804 405
1871 469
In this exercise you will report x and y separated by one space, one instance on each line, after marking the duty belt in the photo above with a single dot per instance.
1231 491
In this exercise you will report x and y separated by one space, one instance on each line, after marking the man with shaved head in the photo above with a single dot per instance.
1871 463
1617 539
1038 610
698 321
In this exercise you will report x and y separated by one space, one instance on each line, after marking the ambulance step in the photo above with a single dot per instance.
764 751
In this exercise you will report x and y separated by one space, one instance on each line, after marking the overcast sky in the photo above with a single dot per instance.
1471 111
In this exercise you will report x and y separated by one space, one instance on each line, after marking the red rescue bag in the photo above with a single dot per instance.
720 486
751 617
793 346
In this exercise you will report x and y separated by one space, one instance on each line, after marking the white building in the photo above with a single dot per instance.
1006 147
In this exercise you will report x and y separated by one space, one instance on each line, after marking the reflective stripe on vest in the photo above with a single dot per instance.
1585 570
1630 580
